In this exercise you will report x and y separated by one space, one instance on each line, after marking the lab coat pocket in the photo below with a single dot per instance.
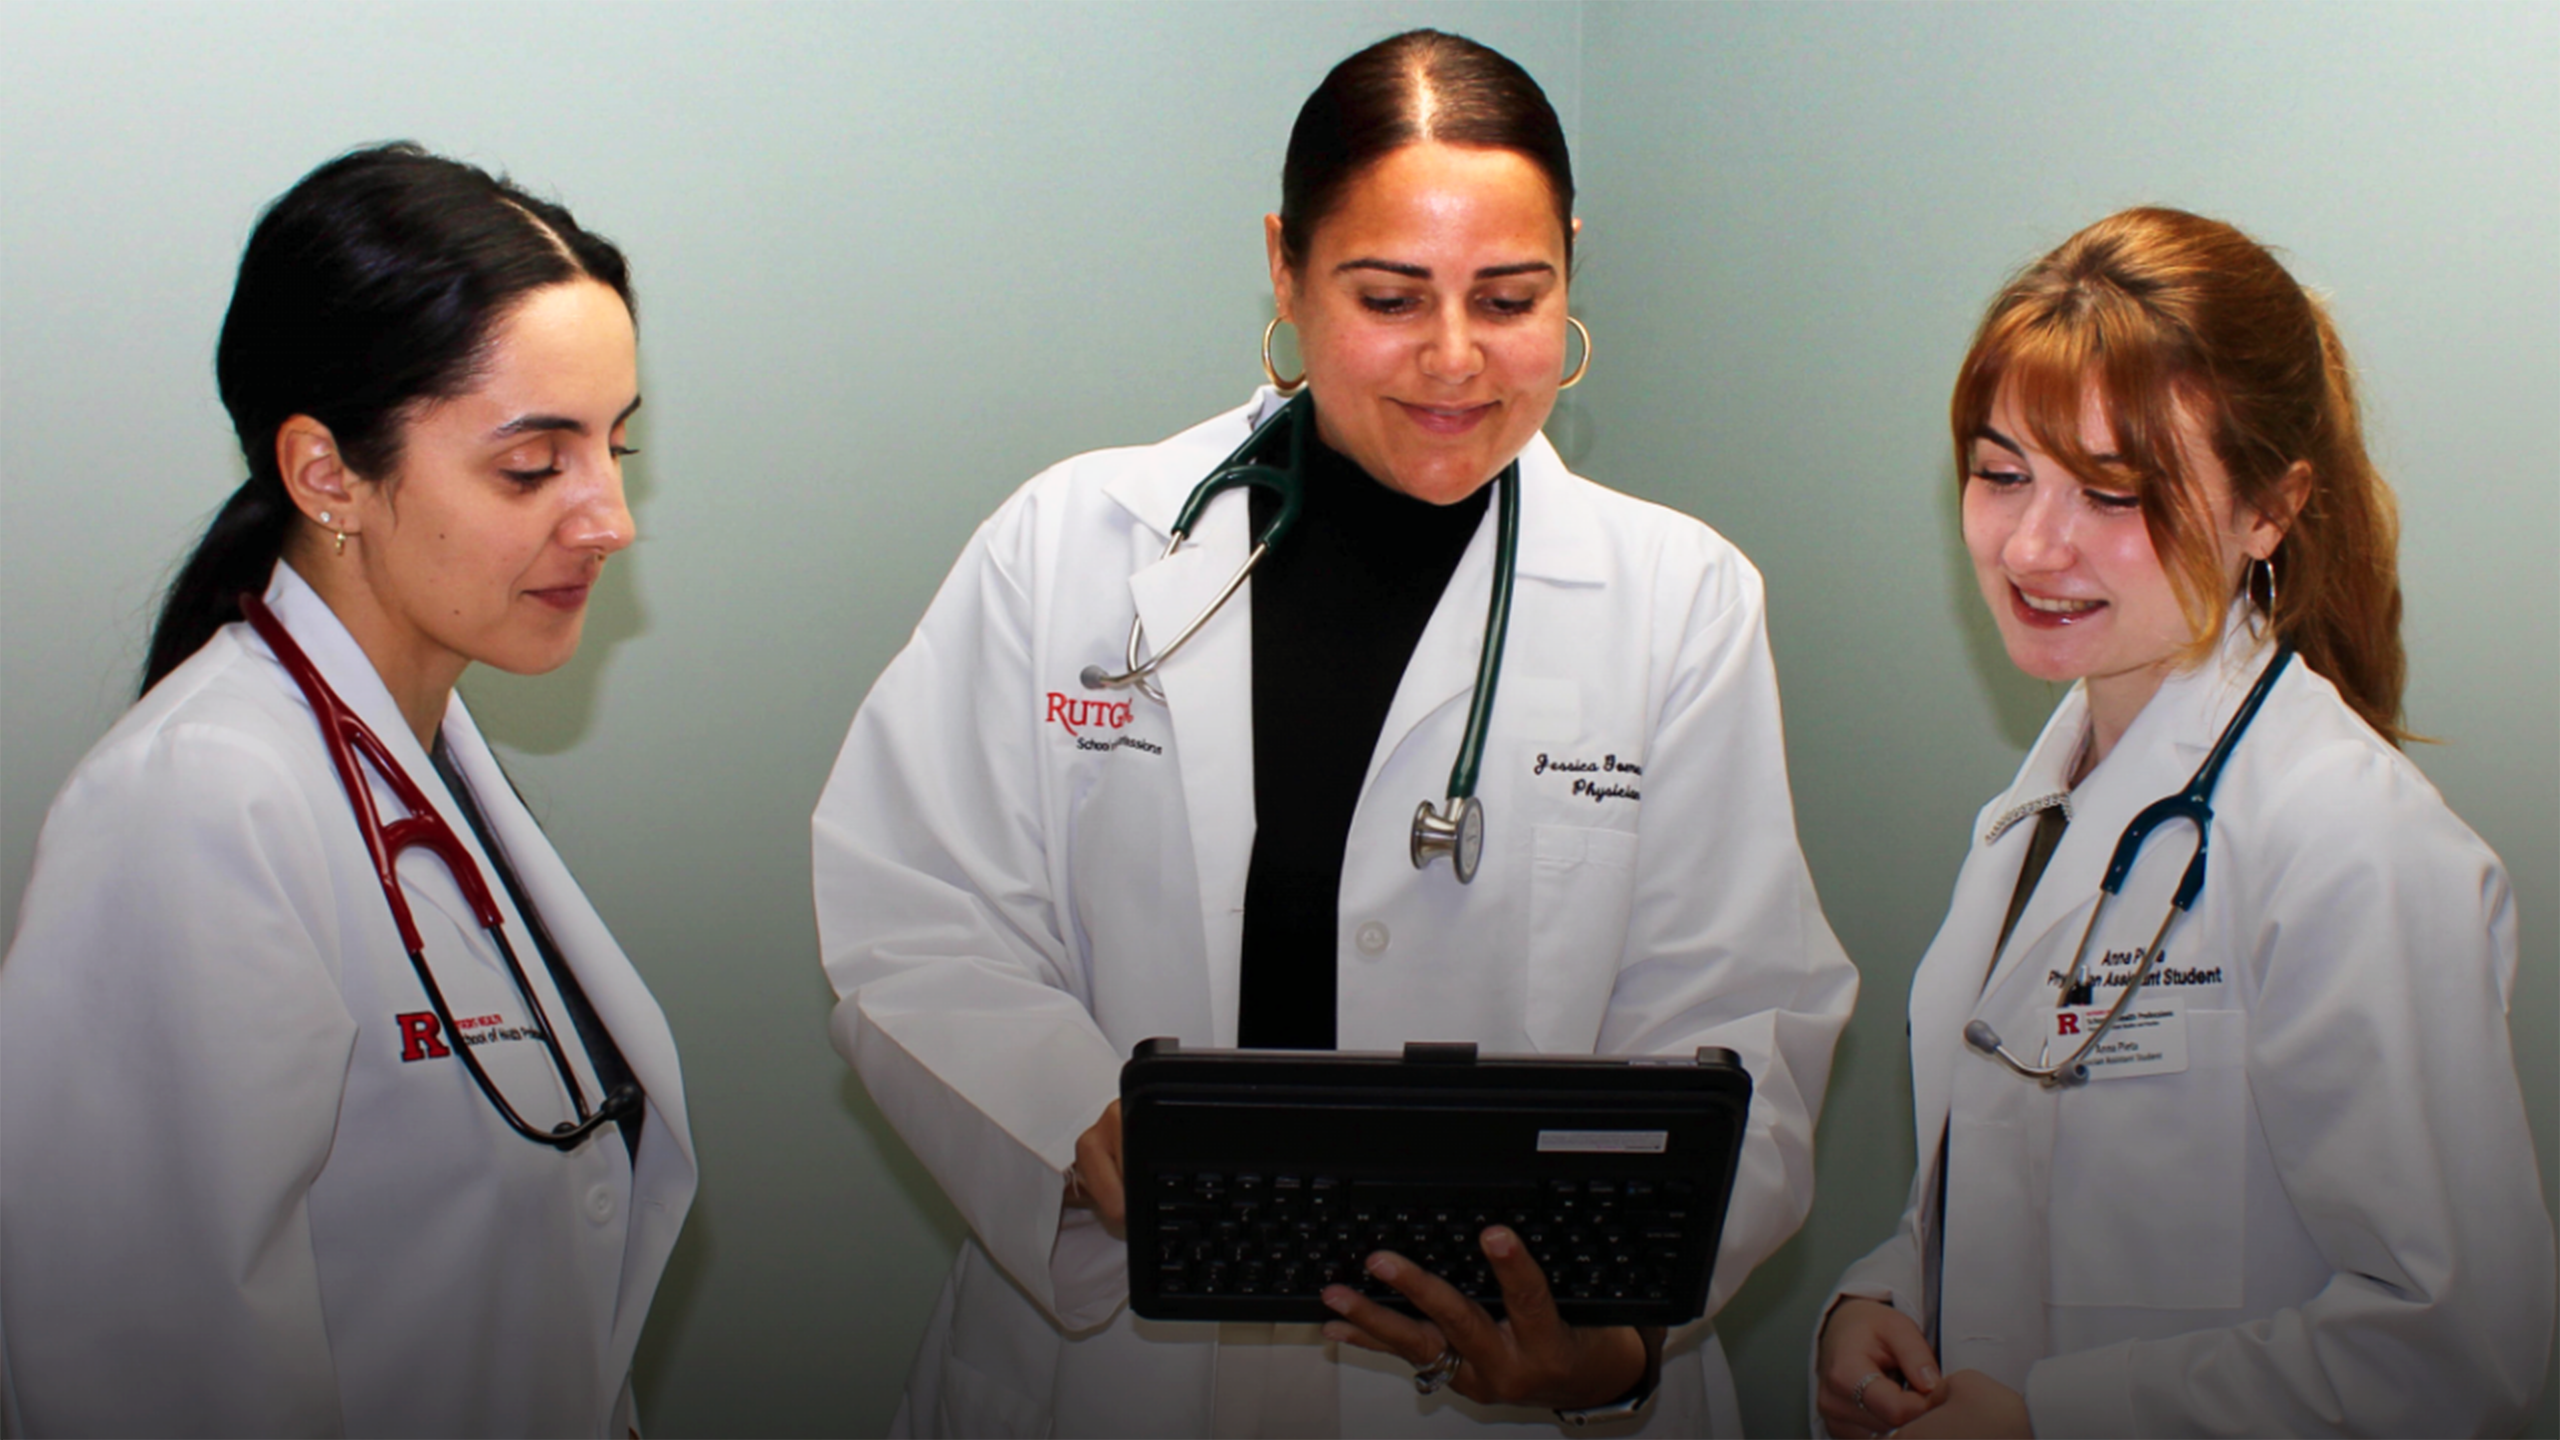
1579 884
2148 1179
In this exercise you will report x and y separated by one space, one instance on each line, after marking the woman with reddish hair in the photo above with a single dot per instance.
2249 1159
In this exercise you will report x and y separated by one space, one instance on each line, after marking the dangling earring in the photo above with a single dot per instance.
340 536
1585 367
2266 565
1271 372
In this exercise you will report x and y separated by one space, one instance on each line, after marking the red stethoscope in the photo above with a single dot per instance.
346 735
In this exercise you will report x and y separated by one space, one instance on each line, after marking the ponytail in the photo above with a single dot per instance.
237 553
2337 570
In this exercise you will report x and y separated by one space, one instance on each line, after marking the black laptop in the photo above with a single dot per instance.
1258 1177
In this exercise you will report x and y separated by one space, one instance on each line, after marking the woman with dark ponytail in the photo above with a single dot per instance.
1025 867
2287 1189
327 1103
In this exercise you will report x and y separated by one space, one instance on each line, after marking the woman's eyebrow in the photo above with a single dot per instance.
543 424
1423 272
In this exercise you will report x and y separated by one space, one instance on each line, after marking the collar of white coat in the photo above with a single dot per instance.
639 1028
1560 538
349 671
2182 719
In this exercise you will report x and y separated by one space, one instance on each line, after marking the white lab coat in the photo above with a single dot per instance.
228 1205
1018 879
2331 1219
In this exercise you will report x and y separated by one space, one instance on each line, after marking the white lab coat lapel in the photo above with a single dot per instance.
1442 669
1558 543
1208 691
663 1181
1417 746
343 663
663 1187
2001 1162
2155 757
1963 981
350 673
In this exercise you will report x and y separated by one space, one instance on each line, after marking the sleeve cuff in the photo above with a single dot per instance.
1088 1273
1882 1295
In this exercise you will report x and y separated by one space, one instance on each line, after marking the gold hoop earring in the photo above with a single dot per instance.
1271 372
1585 367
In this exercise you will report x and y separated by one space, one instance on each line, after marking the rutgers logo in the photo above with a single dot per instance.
420 1034
1072 713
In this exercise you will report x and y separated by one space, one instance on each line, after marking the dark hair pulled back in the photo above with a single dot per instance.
372 287
1422 85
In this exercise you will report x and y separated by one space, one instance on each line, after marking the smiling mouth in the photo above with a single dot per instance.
1446 419
2059 607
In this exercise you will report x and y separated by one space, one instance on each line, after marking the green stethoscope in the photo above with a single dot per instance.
2193 805
1456 831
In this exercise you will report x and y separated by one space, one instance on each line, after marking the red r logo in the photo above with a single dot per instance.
2066 1024
418 1037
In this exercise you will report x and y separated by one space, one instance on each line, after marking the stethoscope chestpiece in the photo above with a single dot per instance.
1982 1037
1460 836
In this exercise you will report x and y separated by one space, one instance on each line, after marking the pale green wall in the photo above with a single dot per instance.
1796 216
893 258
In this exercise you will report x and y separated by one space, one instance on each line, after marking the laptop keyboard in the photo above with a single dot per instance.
1610 1246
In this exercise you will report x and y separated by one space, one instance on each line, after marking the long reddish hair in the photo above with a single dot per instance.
2168 315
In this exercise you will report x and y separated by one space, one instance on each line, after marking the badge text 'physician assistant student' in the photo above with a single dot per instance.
1020 876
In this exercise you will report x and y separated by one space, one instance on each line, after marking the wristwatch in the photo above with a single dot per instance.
1635 1400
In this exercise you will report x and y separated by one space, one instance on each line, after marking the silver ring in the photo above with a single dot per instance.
1858 1396
1433 1378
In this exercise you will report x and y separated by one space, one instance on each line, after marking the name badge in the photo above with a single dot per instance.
2150 1039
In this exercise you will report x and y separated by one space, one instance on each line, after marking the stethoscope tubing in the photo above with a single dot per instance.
2193 804
344 735
1497 626
1239 468
1457 832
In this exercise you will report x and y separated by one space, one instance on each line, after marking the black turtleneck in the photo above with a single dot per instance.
1338 606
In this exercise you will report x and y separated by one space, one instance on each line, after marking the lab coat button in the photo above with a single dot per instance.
600 1204
1372 938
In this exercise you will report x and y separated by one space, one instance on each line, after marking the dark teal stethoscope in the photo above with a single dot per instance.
1457 831
2194 804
